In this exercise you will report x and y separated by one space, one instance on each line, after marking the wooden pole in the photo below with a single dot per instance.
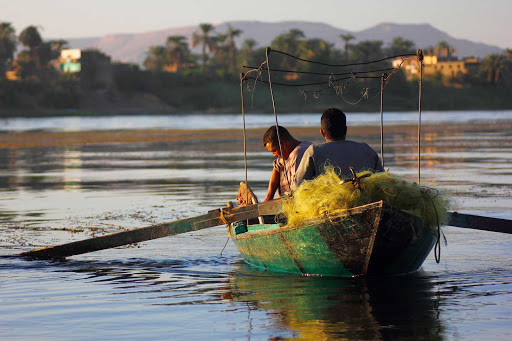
383 79
420 61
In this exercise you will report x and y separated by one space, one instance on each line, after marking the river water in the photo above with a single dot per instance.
65 179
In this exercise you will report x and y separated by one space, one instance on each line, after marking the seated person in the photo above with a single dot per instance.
283 173
336 151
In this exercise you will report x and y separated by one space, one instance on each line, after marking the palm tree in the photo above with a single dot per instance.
232 33
318 50
205 40
177 51
346 39
247 51
31 39
401 46
249 44
367 50
289 42
156 58
7 46
493 65
221 49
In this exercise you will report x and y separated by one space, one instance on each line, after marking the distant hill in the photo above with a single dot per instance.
425 35
132 48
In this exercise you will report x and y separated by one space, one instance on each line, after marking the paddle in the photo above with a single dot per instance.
212 218
479 222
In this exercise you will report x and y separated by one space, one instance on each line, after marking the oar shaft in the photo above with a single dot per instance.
479 222
212 218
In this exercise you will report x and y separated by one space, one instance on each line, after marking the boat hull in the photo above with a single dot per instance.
373 239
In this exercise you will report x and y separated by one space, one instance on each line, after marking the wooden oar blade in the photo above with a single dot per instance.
479 222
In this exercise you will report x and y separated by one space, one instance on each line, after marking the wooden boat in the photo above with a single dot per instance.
374 239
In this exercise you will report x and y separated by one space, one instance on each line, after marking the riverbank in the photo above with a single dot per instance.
223 96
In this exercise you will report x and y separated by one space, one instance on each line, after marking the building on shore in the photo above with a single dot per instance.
439 60
94 67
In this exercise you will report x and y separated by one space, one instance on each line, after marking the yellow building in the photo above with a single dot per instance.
431 66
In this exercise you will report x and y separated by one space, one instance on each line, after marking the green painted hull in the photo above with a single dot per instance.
374 239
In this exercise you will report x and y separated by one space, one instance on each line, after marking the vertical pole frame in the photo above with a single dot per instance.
420 62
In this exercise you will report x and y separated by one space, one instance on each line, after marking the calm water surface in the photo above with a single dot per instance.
193 286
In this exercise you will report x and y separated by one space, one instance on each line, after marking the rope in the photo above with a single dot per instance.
267 53
437 246
356 180
224 247
343 65
225 222
317 73
316 83
395 70
332 84
258 71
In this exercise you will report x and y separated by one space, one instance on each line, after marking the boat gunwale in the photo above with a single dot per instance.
308 222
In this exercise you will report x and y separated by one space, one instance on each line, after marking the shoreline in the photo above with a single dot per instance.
49 113
95 137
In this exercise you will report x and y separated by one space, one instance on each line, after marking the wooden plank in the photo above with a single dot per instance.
479 222
212 218
272 207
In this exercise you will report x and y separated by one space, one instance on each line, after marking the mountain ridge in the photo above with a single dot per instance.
132 47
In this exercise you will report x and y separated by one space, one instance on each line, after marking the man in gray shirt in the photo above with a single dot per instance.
336 151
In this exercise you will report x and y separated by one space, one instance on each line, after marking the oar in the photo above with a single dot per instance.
210 219
479 222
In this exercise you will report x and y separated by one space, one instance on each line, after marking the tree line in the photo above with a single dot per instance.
183 79
220 56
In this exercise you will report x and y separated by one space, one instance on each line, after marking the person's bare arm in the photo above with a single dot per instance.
273 184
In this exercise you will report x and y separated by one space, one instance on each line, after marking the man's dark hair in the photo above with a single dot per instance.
271 135
334 124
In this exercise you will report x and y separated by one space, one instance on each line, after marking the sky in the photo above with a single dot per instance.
487 21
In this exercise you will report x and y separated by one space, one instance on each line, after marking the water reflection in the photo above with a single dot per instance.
329 308
251 304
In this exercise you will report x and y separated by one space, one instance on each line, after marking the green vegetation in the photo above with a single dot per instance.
177 80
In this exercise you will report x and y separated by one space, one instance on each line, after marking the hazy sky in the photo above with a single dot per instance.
487 21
